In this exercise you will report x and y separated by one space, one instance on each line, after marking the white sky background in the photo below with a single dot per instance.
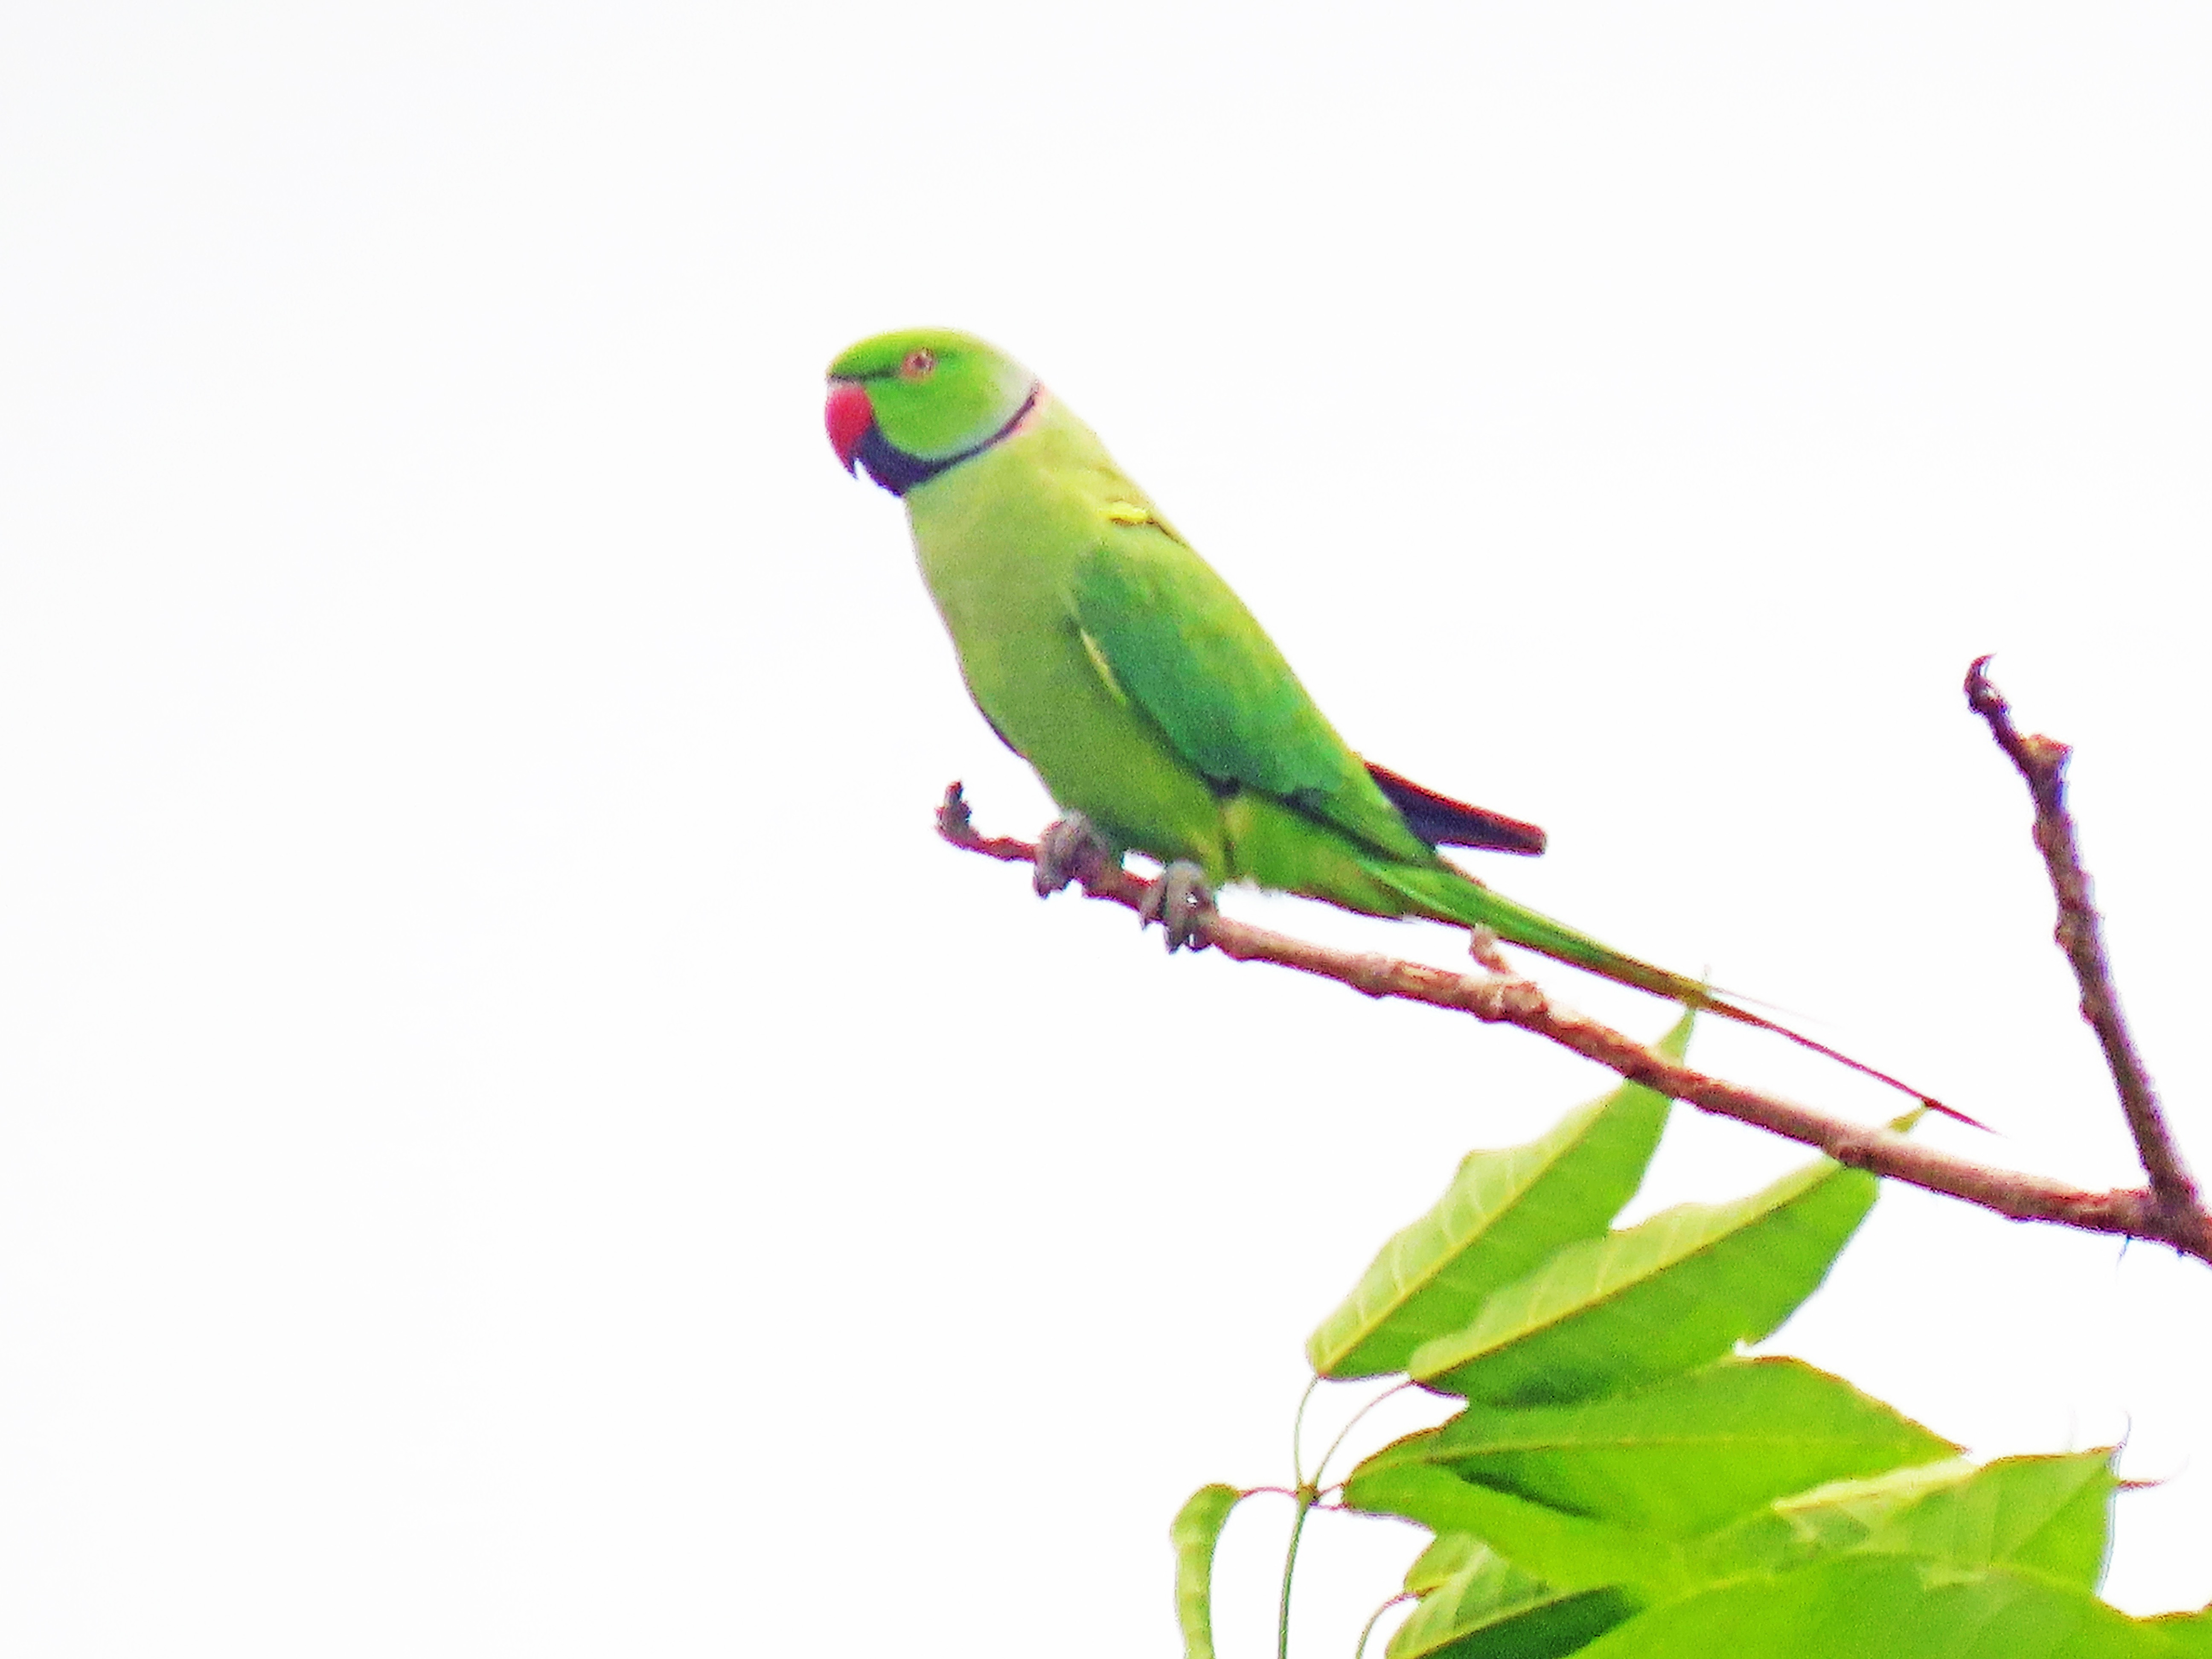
515 1138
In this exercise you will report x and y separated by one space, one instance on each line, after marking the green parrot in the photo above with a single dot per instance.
1159 714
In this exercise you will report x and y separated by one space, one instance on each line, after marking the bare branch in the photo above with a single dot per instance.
1507 998
2041 761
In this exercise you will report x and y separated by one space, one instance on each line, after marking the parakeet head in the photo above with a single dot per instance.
908 405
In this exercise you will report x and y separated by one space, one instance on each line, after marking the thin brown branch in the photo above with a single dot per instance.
1507 998
2041 761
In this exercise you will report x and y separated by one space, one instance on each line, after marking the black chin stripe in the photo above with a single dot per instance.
898 472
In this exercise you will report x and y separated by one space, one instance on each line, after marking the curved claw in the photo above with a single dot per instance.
1180 900
1069 850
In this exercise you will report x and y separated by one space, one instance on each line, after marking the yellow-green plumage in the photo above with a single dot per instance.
1024 545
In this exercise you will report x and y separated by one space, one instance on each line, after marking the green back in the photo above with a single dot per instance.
1183 648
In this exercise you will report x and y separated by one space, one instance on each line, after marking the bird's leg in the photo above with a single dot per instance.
1180 900
1071 849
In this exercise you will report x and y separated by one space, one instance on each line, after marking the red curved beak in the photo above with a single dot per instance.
849 416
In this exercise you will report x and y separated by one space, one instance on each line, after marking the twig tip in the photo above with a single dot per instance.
1982 698
955 821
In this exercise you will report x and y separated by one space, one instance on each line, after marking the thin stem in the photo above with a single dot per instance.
1322 1468
1374 1618
1297 1434
1289 1566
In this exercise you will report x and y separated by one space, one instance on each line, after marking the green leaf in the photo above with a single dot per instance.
1884 1606
1447 1553
2048 1515
2052 1514
1194 1532
1688 1454
1568 1552
1503 1214
1662 1298
2187 1634
1490 1609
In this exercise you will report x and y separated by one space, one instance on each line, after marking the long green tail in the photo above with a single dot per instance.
1445 895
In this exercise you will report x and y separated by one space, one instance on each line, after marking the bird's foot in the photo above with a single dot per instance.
1070 850
1181 902
955 821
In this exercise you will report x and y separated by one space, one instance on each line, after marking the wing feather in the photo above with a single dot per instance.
1179 643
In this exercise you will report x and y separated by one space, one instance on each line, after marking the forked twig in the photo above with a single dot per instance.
2041 762
1507 998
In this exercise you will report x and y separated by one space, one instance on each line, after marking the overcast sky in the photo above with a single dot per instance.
515 1139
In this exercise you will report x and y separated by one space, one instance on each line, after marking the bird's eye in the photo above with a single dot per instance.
918 363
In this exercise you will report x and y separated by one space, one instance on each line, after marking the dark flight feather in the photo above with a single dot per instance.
1442 821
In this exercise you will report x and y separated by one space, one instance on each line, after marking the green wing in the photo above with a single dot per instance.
1180 645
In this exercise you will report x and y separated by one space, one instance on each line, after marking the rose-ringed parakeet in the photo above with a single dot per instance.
1159 714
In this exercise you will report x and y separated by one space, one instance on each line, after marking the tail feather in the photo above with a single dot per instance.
1443 894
